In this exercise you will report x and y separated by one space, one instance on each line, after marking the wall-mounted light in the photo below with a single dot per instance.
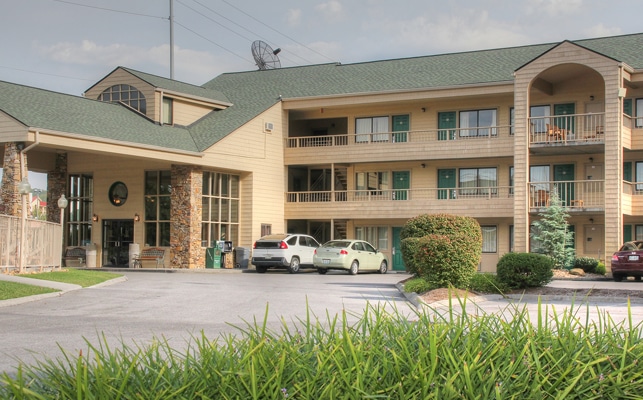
423 165
137 217
591 220
95 218
423 109
591 159
591 98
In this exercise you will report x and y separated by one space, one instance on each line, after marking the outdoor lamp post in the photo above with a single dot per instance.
24 188
62 204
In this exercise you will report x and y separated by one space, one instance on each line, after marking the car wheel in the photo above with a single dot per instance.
617 277
383 267
261 270
322 271
354 268
294 265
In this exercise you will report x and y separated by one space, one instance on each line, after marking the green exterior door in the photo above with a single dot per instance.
446 125
564 173
397 263
567 123
401 128
446 183
401 185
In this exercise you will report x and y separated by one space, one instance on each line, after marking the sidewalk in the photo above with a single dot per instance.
60 286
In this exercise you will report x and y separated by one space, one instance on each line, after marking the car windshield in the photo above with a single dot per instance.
340 244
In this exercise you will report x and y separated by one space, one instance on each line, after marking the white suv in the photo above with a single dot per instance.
289 251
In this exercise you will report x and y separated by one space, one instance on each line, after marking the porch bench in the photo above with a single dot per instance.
78 254
149 254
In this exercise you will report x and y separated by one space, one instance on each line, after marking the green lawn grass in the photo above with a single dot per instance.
80 277
12 290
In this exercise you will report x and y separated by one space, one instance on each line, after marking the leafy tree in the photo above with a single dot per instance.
553 234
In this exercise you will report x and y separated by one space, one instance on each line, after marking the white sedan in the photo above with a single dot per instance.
350 255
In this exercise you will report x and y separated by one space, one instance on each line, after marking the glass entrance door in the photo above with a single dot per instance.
118 234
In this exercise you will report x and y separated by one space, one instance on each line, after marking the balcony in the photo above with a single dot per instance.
496 141
394 203
575 196
567 130
632 202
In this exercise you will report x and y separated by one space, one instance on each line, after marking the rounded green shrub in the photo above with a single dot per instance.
524 270
441 261
587 264
600 268
462 241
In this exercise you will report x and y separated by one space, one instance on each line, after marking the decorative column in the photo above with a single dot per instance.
56 187
185 218
10 201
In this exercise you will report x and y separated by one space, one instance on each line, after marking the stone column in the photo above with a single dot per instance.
56 186
185 217
10 202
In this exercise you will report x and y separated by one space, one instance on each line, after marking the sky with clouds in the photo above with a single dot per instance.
67 45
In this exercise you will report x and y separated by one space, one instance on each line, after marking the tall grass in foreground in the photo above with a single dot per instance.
383 355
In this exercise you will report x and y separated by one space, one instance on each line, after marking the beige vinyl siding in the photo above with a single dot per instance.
185 112
259 157
11 130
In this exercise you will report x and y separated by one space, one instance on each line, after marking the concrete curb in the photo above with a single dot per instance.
417 301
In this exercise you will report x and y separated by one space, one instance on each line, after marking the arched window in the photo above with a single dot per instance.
126 94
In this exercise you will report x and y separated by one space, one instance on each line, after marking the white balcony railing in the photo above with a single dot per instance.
400 194
574 195
435 135
567 129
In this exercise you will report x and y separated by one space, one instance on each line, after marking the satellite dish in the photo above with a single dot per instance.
265 56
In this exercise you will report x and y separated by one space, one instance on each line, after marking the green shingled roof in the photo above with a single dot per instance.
253 92
46 110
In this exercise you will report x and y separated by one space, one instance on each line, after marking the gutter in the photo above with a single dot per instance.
23 173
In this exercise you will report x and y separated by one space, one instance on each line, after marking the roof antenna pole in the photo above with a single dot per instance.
171 39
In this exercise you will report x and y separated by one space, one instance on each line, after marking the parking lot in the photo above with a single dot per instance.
179 305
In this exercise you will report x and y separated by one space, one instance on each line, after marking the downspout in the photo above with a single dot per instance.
23 173
161 109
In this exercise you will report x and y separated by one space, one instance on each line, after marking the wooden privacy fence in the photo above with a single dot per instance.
43 243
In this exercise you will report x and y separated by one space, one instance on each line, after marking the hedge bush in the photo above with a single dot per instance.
441 261
524 270
485 282
417 285
587 264
453 259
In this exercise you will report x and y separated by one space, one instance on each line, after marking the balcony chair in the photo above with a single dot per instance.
555 133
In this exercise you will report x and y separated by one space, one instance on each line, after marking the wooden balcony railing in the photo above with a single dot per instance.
574 195
435 135
567 129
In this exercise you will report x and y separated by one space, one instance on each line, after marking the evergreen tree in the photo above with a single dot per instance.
553 234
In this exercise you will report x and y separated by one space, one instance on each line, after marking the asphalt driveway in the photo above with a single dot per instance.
177 306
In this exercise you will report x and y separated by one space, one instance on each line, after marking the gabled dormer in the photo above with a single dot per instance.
164 101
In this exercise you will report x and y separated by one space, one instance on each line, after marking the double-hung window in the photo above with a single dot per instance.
478 182
375 129
373 183
639 113
489 239
158 189
478 123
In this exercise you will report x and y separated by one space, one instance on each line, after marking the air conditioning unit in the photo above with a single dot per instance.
269 126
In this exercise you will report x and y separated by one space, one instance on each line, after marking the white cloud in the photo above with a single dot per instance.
554 7
332 10
468 30
601 30
293 17
190 65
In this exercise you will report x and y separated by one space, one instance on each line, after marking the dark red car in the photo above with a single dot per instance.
628 261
